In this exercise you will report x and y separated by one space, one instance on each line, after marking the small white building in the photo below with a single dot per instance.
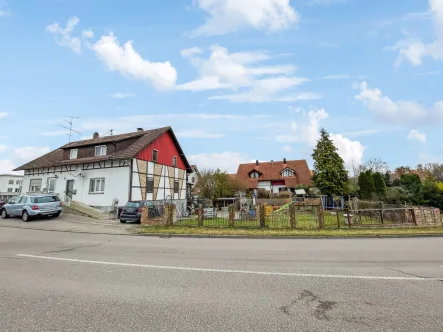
10 186
142 165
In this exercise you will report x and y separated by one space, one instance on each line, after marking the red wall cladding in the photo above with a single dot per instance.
166 150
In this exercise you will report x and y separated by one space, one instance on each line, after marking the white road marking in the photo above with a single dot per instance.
288 274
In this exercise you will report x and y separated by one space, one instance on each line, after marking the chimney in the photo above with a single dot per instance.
272 163
284 161
257 164
139 129
95 135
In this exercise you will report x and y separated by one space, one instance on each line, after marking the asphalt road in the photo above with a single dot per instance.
53 281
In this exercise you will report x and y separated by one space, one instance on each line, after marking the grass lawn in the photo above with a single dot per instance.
288 232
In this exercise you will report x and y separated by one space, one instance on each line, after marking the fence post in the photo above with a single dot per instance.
200 214
320 217
231 211
413 216
349 217
381 215
262 215
338 218
292 215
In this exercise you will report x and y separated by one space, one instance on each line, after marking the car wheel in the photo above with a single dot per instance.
123 221
25 216
4 214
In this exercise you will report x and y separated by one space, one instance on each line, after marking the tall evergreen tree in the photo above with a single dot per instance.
330 175
380 185
387 178
367 185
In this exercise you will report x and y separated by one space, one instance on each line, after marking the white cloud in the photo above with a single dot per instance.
4 11
287 148
403 112
122 95
226 16
88 33
27 154
243 73
351 151
306 129
227 161
416 135
3 115
6 167
63 35
129 63
414 49
198 134
189 52
3 147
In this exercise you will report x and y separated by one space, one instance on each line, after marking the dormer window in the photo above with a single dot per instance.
100 150
287 173
73 154
254 175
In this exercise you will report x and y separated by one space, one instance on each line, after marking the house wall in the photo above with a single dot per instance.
264 185
164 177
116 184
166 151
4 186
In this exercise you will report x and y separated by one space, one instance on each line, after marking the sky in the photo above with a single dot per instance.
238 80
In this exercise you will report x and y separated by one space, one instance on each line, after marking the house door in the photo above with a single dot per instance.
69 188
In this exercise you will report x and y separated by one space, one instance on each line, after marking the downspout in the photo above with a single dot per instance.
130 179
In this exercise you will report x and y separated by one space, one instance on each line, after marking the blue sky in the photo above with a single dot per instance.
237 80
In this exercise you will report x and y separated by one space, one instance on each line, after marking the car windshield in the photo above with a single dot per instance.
132 204
44 199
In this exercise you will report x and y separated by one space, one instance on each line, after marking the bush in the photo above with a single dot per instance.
263 193
285 194
275 195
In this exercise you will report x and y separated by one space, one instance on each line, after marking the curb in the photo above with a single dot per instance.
275 237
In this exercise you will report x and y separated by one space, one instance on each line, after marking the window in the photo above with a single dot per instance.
100 150
23 199
9 190
174 161
254 175
193 179
18 182
51 185
154 155
35 185
287 173
150 186
176 186
97 186
44 199
11 182
74 153
17 190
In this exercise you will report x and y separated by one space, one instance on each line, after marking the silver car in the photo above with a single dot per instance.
32 206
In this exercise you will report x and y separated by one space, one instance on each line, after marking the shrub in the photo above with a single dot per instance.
285 194
263 193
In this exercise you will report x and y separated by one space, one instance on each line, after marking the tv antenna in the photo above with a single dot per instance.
70 123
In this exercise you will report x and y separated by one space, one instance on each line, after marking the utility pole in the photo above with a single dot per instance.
70 123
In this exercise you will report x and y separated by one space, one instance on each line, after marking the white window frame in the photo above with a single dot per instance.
148 190
32 188
103 150
10 190
97 183
156 155
254 175
73 154
286 173
48 185
174 161
10 181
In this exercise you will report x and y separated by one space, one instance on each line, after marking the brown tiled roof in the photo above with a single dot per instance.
55 158
271 171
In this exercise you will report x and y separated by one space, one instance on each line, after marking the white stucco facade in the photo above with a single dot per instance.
10 186
111 182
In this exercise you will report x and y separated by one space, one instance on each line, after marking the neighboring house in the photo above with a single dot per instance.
141 165
10 186
275 176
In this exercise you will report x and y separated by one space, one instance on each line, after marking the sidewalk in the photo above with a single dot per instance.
72 223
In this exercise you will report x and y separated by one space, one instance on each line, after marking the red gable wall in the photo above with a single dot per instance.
166 150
